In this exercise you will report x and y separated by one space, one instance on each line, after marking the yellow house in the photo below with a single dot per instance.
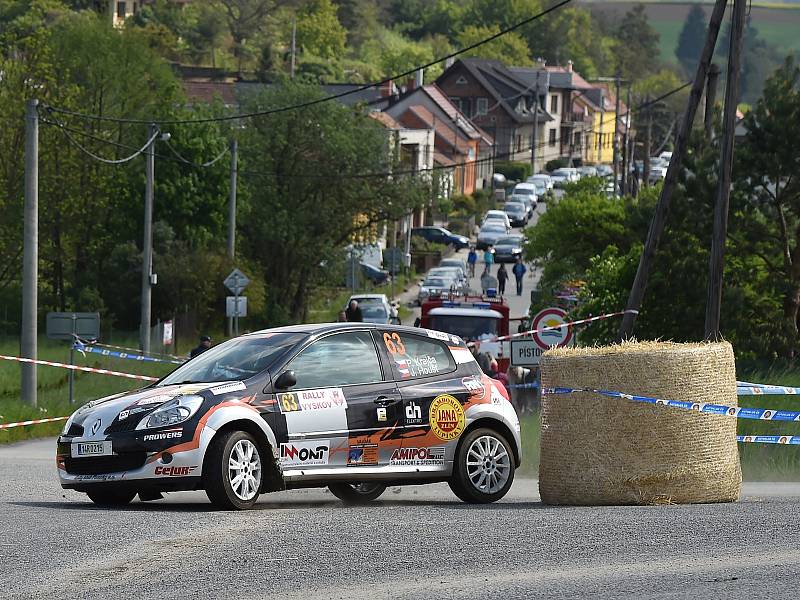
600 136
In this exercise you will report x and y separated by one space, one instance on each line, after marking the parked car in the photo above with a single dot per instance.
559 178
455 273
542 179
508 248
665 156
528 194
498 215
517 213
374 274
270 410
375 308
455 262
436 286
489 234
657 174
440 235
587 171
605 171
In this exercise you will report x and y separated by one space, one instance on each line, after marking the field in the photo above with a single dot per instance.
776 22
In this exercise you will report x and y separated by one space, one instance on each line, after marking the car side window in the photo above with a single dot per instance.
337 360
413 356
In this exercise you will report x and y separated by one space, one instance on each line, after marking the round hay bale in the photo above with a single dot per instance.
598 450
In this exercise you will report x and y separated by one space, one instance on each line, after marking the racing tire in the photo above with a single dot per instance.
233 471
111 497
357 493
483 470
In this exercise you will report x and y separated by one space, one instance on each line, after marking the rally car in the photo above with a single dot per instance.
352 406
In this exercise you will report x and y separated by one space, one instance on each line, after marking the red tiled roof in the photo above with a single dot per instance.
207 91
441 159
442 129
386 120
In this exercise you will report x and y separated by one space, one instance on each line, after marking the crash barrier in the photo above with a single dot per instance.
638 453
513 336
33 422
79 347
77 368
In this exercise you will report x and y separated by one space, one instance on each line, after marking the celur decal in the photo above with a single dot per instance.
307 400
303 454
228 387
174 471
418 456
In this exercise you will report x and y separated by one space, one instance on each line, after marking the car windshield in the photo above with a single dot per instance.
366 301
374 312
513 207
523 192
509 241
469 328
235 359
435 282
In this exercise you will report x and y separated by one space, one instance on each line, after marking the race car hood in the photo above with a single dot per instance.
140 402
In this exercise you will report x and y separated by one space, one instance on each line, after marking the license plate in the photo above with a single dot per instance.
91 449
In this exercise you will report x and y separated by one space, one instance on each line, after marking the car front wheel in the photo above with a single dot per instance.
484 467
233 471
357 493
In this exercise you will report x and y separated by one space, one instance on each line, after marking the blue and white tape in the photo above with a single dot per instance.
137 357
769 439
761 414
524 386
744 388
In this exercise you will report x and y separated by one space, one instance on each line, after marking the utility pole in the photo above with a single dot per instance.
147 243
616 136
662 208
294 46
232 201
626 167
717 261
711 99
30 253
648 141
535 125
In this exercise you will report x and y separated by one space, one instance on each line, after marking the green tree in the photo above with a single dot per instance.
319 31
691 39
636 46
422 18
511 49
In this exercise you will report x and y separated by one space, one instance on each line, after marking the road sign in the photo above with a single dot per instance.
236 281
65 325
166 339
525 353
232 303
551 317
393 260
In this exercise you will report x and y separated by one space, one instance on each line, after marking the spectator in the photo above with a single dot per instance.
483 358
342 317
353 312
205 344
472 258
502 277
488 260
519 271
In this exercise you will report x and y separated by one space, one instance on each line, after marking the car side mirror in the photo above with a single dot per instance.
285 380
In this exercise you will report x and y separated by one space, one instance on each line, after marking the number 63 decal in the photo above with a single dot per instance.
393 343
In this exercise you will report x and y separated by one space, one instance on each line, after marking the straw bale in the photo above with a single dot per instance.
597 450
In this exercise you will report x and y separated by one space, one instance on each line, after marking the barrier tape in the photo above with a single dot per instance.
77 368
115 354
131 350
33 422
523 386
761 414
759 389
570 324
769 439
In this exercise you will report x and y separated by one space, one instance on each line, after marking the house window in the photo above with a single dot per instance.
120 10
554 104
482 107
462 81
552 138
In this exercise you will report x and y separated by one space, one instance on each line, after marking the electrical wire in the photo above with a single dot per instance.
309 103
107 161
193 164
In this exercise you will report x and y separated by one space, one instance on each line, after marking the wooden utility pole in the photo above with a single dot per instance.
535 142
717 262
616 137
662 208
30 254
711 99
648 141
147 243
626 155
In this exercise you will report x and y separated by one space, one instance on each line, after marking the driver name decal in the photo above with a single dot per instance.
324 399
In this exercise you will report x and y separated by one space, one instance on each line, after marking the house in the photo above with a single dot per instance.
457 142
601 142
499 103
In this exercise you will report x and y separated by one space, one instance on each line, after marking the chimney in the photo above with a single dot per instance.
569 66
449 62
387 89
541 62
420 79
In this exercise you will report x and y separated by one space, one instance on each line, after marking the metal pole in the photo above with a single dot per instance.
711 100
147 243
717 261
232 200
535 125
72 358
662 208
30 253
616 137
647 144
626 155
294 46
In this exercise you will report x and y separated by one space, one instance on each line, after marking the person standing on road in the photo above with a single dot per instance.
353 312
205 344
519 271
472 258
488 260
502 277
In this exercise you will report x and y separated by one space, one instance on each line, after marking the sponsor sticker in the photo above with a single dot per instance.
497 396
413 414
324 399
100 477
438 335
304 454
362 455
474 386
402 367
155 400
418 456
381 414
446 416
228 387
174 471
163 435
124 414
461 355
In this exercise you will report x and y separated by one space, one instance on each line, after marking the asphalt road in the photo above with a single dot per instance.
414 542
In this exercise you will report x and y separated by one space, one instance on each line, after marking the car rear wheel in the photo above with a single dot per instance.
484 467
233 471
357 493
111 497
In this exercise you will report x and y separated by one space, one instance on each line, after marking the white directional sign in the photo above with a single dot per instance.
236 281
236 306
525 353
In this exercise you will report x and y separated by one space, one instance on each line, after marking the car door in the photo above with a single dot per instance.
433 398
341 404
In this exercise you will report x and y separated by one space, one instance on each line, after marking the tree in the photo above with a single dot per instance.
636 46
691 39
246 19
319 31
510 49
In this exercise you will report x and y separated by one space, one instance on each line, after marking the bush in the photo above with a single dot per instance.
558 163
420 244
517 171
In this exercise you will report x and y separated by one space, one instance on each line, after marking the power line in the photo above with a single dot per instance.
107 161
325 98
193 164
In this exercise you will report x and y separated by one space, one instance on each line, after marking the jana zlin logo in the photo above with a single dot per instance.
95 426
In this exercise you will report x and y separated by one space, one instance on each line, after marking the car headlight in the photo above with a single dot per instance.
516 251
175 411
